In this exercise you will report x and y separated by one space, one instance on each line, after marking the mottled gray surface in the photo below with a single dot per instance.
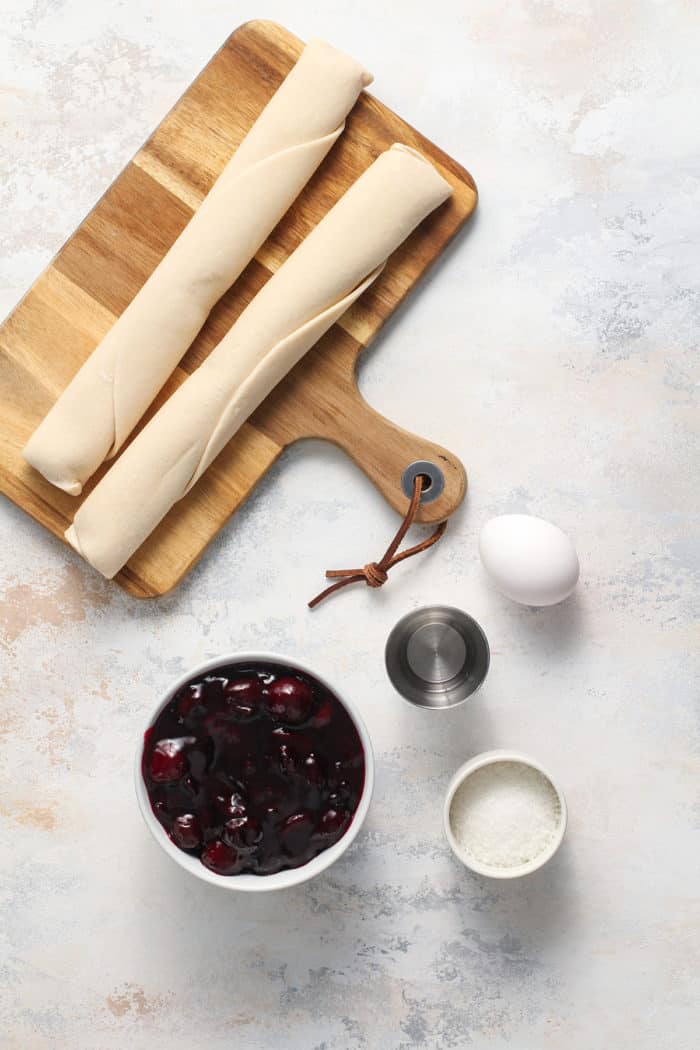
560 342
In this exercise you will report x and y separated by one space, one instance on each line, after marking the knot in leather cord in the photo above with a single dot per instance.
375 573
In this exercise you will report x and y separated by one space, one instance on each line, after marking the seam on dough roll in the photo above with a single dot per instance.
95 414
306 334
331 268
128 362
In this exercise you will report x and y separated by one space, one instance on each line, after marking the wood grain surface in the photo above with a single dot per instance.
99 270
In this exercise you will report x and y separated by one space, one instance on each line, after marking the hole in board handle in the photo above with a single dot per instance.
432 480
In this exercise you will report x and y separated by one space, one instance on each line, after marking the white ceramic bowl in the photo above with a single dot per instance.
282 879
478 762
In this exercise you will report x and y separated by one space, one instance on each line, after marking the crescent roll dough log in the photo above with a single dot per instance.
105 400
339 259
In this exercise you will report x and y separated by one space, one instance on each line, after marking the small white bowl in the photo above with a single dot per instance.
488 758
281 879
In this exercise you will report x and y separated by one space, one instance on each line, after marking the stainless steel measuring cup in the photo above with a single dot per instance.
437 656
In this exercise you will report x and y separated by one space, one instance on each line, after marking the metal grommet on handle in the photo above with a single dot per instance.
432 486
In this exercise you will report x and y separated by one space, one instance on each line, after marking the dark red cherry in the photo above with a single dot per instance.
323 715
220 858
168 760
189 698
243 833
311 769
333 822
295 832
186 832
214 690
244 697
290 700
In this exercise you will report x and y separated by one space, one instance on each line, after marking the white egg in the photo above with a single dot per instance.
529 559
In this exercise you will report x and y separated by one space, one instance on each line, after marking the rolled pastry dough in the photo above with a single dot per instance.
339 259
107 397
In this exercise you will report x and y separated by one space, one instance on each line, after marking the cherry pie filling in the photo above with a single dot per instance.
254 768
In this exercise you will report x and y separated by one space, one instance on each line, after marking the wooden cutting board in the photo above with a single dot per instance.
99 270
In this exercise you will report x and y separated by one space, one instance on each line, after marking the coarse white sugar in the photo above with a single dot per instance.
505 814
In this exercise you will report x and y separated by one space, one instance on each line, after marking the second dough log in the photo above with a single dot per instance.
339 259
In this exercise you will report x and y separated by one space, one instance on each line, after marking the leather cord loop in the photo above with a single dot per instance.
375 573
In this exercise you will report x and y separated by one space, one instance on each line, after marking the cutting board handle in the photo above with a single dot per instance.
384 451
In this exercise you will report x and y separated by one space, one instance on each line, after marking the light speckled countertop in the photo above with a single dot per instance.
553 350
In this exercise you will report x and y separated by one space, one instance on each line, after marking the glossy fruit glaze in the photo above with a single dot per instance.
254 768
